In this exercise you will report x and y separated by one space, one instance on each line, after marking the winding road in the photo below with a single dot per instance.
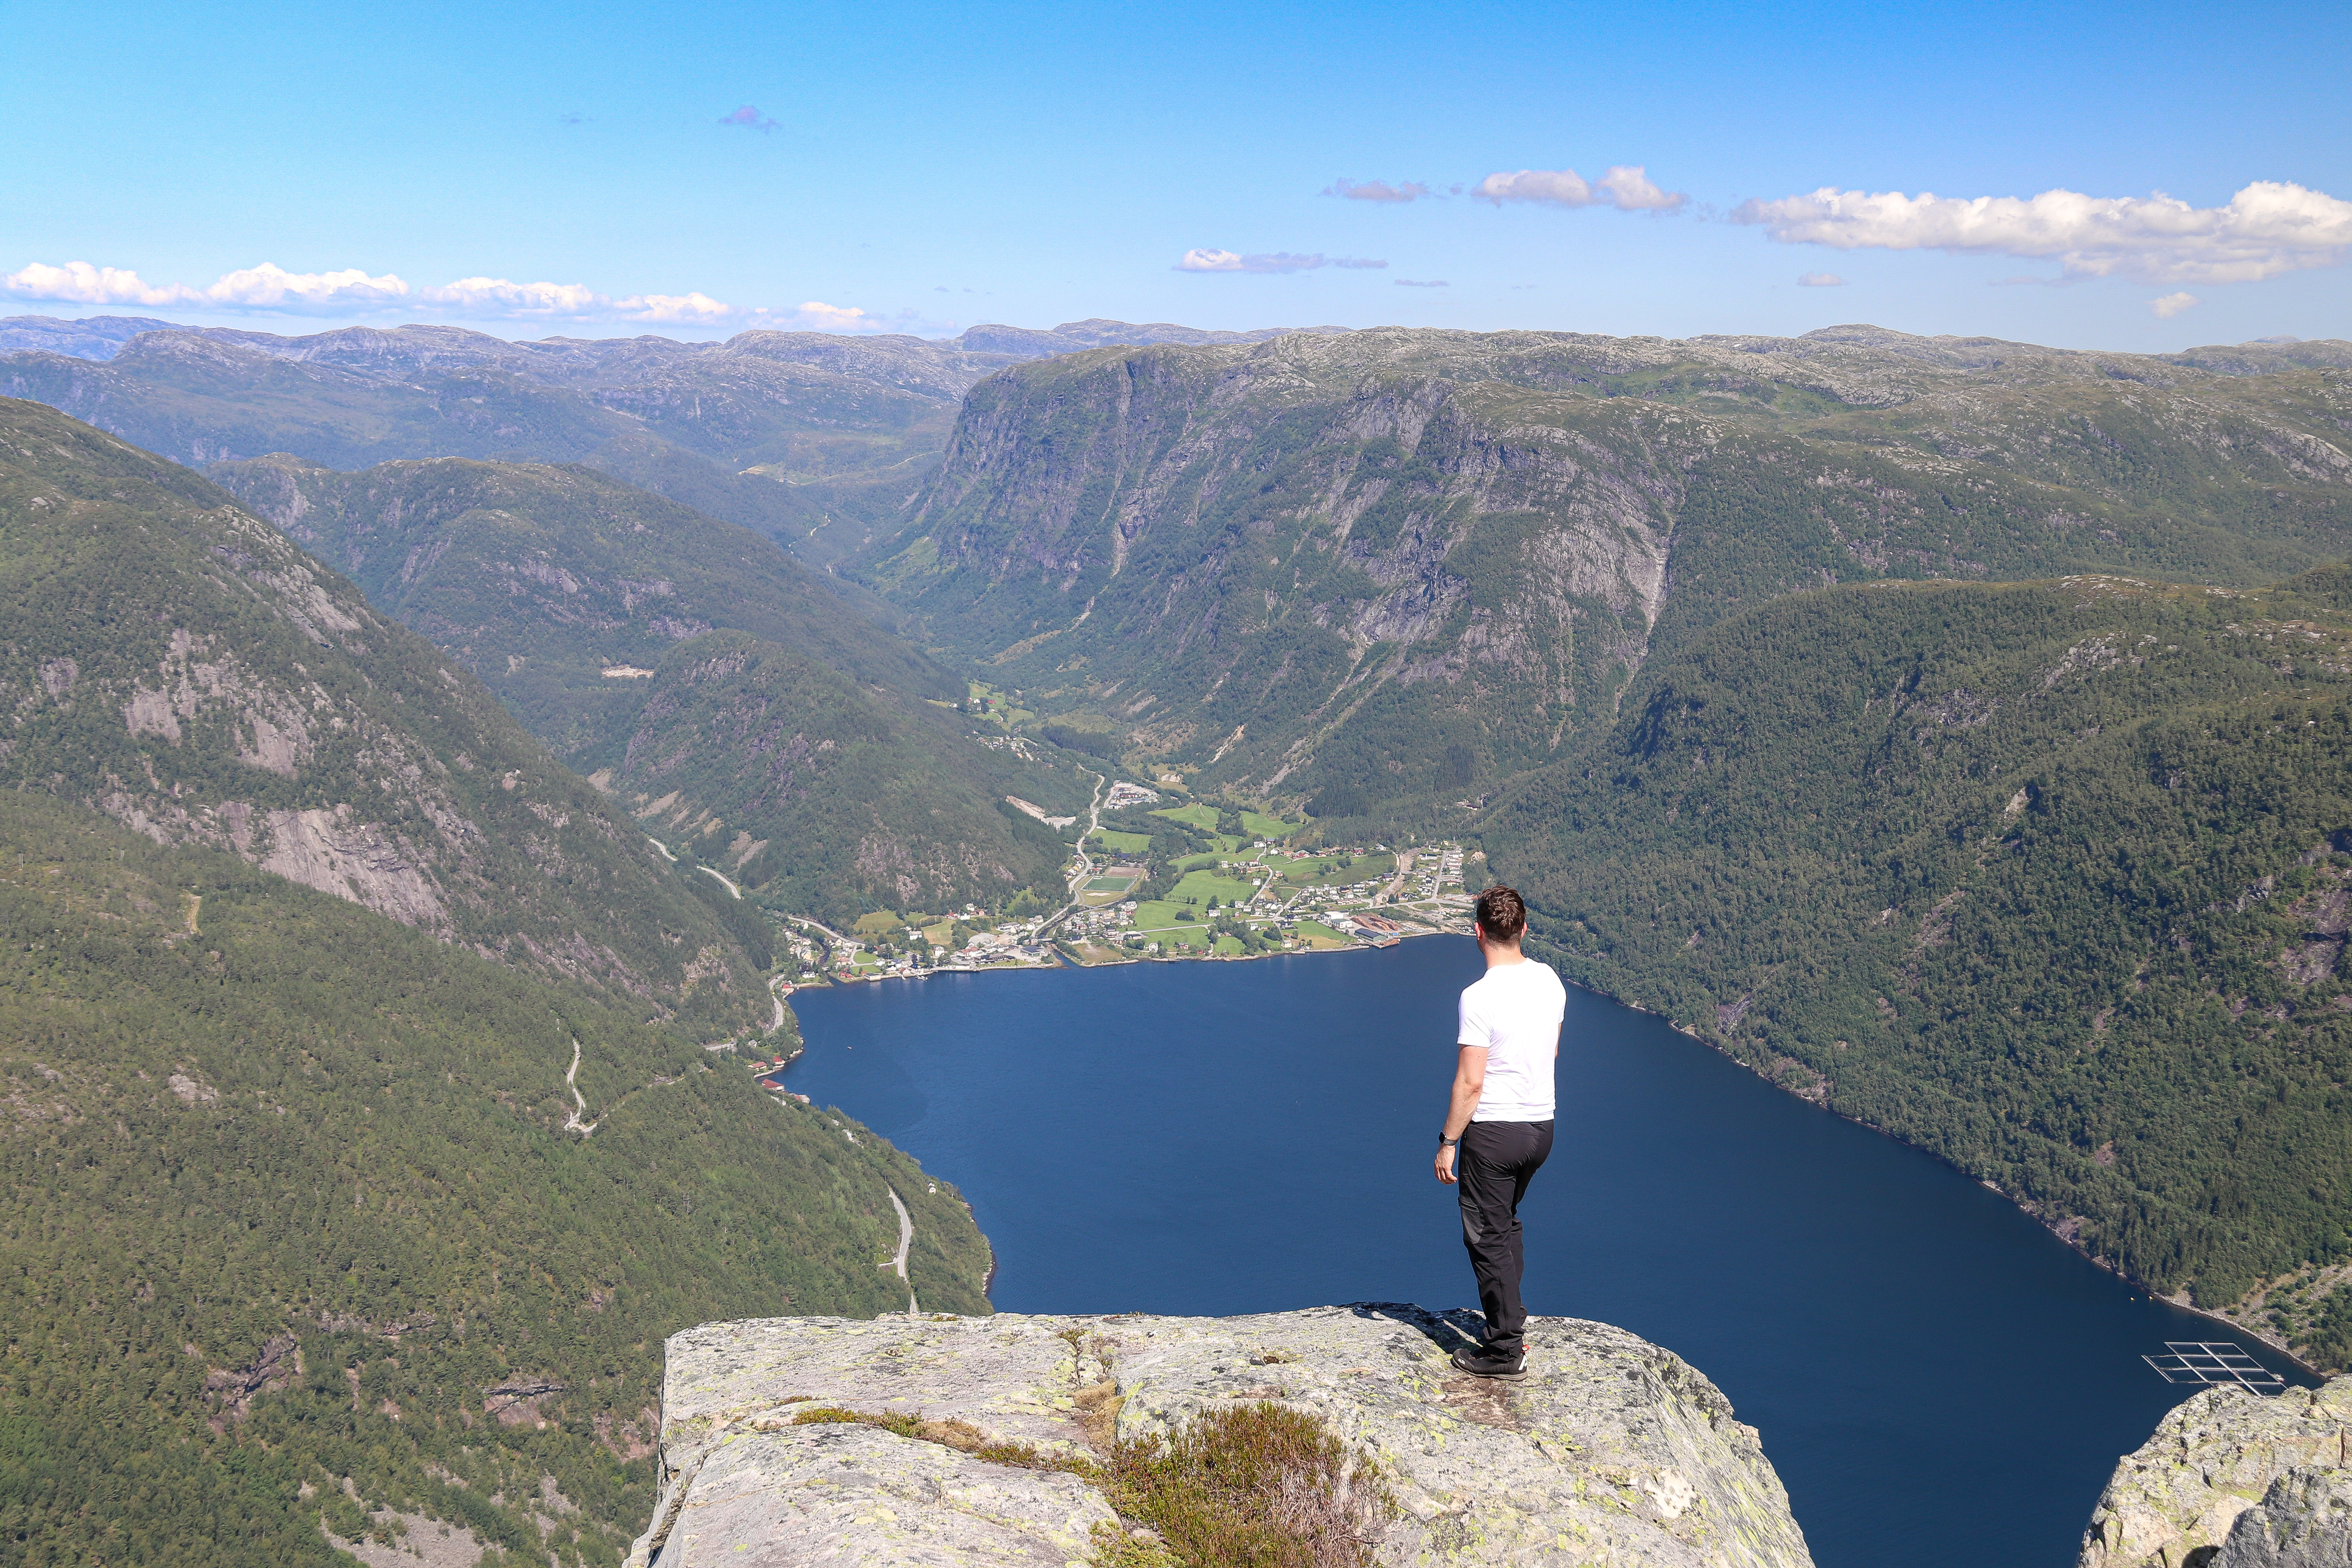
1086 863
573 1123
905 1240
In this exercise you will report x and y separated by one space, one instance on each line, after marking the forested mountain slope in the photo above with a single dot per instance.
2050 879
305 1228
1403 565
826 799
539 578
759 725
180 665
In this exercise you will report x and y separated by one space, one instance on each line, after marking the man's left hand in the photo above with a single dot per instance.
1445 1163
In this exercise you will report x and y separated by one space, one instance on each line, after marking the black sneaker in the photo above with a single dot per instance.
1480 1361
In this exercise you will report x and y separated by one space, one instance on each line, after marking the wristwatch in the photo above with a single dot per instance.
1445 1142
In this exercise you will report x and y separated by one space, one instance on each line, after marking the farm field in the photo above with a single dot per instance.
1330 871
1124 842
1198 888
1259 826
1172 923
1204 818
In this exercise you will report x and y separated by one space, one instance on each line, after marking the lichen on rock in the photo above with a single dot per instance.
1612 1450
2177 1500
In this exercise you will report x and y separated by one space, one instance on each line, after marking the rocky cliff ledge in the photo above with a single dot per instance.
1612 1450
2234 1480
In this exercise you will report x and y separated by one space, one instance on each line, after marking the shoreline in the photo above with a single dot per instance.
2021 1205
1061 961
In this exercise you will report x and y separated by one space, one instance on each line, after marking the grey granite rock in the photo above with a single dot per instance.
2174 1502
2305 1520
1612 1451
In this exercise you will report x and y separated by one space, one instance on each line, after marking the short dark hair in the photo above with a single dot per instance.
1502 914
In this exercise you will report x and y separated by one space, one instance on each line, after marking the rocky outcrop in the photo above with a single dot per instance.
1614 1450
2233 1481
2305 1520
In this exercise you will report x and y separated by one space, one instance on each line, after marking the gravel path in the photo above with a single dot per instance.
905 1240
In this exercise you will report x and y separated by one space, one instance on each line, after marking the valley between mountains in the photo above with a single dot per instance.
1952 731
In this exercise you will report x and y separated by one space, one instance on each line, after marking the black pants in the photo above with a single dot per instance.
1496 1162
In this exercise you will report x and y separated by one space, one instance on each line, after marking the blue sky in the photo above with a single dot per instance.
923 169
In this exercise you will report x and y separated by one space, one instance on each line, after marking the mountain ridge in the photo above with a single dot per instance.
1413 562
802 436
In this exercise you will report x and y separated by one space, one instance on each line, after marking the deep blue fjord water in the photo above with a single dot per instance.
1937 1379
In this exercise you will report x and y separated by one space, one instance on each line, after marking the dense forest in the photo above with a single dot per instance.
825 799
2049 879
303 1222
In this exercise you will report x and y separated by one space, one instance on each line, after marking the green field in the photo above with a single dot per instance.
1328 873
1200 863
1259 826
1204 818
1111 884
1170 923
1229 944
1316 932
1125 843
1199 887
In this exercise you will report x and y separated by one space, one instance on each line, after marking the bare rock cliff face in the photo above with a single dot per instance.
1612 1450
1264 556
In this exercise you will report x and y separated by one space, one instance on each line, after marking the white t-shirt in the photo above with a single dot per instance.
1515 1012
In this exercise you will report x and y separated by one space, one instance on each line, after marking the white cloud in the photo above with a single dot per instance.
1624 186
1820 280
352 292
694 307
503 297
816 316
2171 305
79 283
750 119
267 286
1376 190
2267 228
270 286
1273 261
1423 283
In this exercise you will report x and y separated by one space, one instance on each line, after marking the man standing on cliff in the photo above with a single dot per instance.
1500 1121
